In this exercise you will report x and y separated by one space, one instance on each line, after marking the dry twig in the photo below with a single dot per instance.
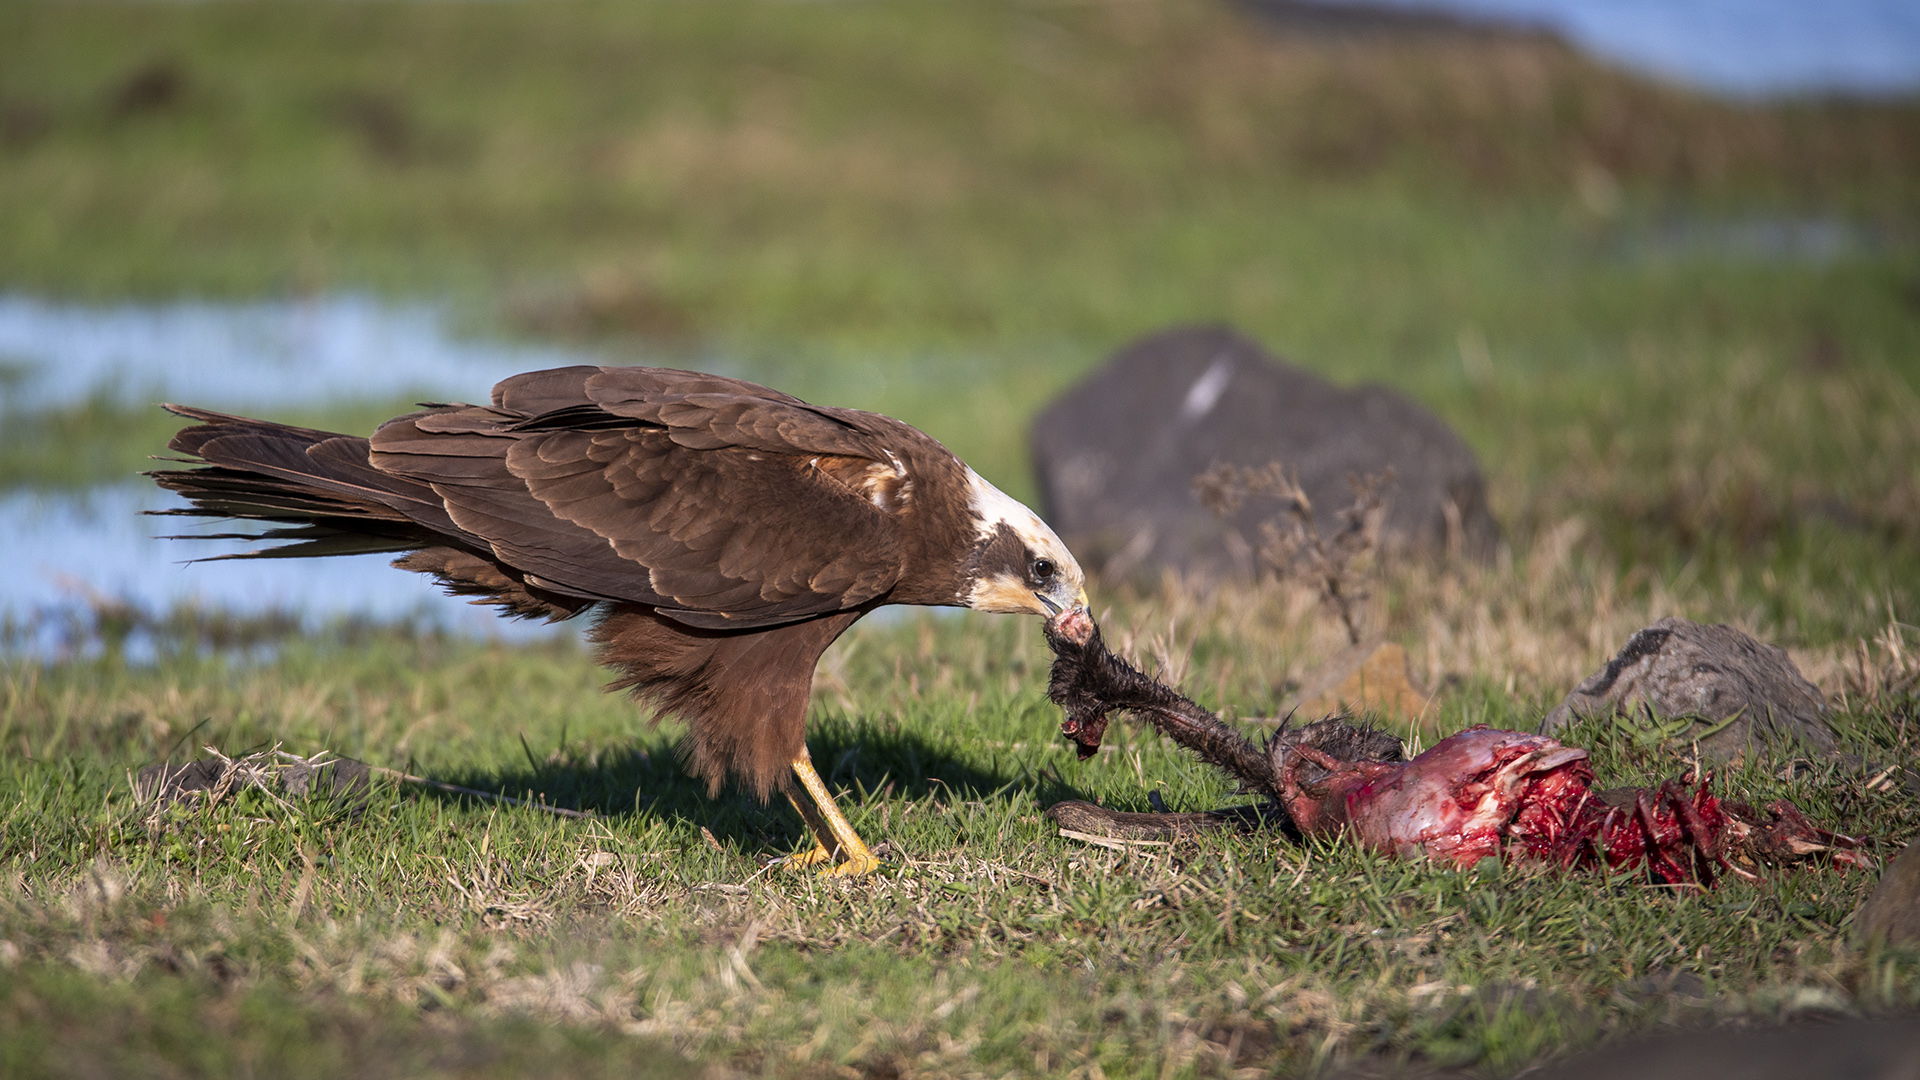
1292 544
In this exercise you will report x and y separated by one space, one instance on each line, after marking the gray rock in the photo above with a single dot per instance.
1892 912
336 777
1748 690
1116 456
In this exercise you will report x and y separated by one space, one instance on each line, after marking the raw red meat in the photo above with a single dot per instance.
1479 793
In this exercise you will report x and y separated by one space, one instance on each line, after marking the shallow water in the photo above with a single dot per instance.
66 552
259 354
1811 241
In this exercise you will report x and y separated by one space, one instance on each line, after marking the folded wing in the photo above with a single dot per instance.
703 496
720 503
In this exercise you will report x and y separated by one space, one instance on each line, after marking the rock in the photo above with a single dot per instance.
1117 454
1892 912
1748 693
1666 986
335 777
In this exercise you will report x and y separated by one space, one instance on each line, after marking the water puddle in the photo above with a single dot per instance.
68 555
247 355
71 556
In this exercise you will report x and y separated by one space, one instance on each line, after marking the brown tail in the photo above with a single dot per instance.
318 483
332 501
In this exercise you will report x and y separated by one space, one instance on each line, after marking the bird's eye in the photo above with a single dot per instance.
1042 569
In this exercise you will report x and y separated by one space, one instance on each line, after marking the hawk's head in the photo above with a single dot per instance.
1017 564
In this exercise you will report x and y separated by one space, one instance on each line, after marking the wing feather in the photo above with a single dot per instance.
698 494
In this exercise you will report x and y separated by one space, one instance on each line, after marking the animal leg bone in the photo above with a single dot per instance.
832 833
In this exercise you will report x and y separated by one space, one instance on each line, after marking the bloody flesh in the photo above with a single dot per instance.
1508 794
1479 793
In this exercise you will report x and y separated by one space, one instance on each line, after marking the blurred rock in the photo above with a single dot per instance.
1847 1050
1892 912
384 123
337 777
23 123
170 783
1666 986
1749 693
1116 457
392 131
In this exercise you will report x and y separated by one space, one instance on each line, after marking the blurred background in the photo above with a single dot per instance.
1657 262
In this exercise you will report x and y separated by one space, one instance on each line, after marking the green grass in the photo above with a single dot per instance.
67 1023
885 169
948 212
985 944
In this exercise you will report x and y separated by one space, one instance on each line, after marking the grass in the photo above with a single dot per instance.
860 171
985 945
948 212
68 1023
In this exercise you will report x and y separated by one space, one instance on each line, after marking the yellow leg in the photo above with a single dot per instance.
832 833
818 829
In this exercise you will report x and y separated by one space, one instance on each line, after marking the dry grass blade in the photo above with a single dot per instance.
1885 669
158 787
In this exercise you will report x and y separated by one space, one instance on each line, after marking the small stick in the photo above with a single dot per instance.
478 794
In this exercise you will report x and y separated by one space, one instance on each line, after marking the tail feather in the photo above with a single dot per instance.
320 482
188 440
308 457
324 491
224 492
314 542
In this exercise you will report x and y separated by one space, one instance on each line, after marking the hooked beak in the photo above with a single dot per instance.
1055 607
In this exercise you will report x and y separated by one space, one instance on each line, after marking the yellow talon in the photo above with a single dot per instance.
853 867
809 858
832 833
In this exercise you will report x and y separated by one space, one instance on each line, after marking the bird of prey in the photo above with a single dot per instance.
721 534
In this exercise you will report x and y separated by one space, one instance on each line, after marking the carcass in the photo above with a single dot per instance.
1476 794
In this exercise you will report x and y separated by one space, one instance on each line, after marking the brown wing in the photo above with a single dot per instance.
719 502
